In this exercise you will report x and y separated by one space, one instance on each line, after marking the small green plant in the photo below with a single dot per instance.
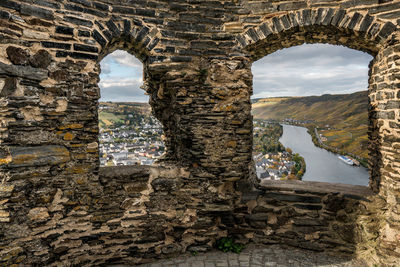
227 244
194 253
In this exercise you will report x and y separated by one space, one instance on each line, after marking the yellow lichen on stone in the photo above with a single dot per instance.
231 144
4 161
71 126
69 136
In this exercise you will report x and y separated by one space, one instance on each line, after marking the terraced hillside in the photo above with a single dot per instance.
114 114
343 119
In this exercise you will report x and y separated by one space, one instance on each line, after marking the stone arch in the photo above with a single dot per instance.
140 40
127 34
337 27
323 25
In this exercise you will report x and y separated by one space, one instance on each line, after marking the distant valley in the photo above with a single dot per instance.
113 114
342 119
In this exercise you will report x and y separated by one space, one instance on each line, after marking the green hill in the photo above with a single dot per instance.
114 114
344 117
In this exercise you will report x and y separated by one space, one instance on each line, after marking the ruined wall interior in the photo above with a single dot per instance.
58 207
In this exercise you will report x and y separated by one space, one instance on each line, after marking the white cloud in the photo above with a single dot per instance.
107 83
105 68
121 78
124 59
311 70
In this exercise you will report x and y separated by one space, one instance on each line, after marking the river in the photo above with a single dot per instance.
321 165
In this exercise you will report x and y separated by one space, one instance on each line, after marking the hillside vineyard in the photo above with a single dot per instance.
58 207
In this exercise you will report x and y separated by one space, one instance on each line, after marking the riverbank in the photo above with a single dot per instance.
312 130
272 159
322 165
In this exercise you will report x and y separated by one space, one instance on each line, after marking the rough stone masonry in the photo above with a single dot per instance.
57 207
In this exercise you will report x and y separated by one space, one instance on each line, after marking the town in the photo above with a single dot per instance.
273 161
136 140
130 135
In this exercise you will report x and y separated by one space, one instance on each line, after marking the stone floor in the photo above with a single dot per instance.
257 255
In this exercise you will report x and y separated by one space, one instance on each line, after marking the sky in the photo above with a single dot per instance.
121 77
309 69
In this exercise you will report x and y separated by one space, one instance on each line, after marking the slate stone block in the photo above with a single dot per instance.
4 14
252 34
86 48
38 156
78 21
99 38
386 30
306 16
101 27
64 46
338 17
277 24
78 55
65 30
83 33
319 17
165 184
10 85
26 72
328 17
266 30
101 6
10 4
308 207
285 22
145 12
47 4
41 59
293 198
354 20
37 12
82 2
123 10
366 22
153 43
107 34
181 59
17 55
113 28
127 26
141 34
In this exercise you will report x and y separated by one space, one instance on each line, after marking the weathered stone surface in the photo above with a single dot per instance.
41 59
197 58
9 87
36 11
38 214
293 198
25 72
17 55
38 156
165 184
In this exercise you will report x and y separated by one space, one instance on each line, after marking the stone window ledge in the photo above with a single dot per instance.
131 171
355 191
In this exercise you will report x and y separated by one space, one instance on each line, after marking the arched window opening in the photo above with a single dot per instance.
129 134
310 110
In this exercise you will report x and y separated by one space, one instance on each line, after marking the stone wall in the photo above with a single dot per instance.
312 215
197 57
